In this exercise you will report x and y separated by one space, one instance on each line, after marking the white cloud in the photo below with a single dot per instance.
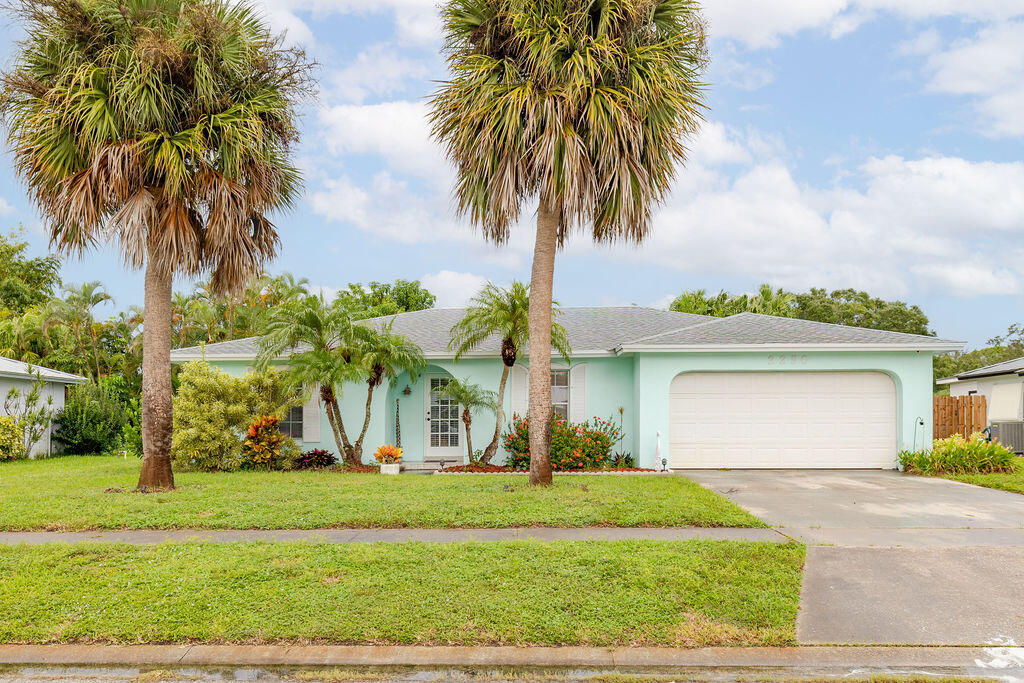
397 131
416 21
377 70
6 209
990 68
387 208
935 223
451 288
760 24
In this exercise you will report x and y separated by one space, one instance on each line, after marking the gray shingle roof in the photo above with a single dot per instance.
1007 367
609 328
755 329
16 368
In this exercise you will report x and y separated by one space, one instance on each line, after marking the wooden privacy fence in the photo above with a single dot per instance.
958 415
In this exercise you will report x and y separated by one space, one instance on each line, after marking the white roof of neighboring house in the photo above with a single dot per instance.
20 370
1006 367
609 330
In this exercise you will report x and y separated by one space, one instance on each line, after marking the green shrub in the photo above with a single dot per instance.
957 455
213 411
12 439
90 421
573 446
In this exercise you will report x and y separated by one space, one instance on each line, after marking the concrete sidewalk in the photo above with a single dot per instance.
1002 660
148 537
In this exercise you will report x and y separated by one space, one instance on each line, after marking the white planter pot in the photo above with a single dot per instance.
392 468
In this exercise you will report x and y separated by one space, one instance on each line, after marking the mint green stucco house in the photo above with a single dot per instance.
694 392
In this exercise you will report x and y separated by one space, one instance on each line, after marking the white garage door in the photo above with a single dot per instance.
783 419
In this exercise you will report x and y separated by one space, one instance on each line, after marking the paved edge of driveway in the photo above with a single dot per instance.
148 537
1004 658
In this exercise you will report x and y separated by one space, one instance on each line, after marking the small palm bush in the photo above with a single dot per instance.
91 420
12 439
957 455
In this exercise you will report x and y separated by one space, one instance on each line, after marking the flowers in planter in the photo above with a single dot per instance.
388 454
263 441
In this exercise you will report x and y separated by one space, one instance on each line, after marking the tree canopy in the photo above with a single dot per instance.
382 298
840 307
24 281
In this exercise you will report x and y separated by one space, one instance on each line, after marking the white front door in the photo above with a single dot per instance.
443 438
783 419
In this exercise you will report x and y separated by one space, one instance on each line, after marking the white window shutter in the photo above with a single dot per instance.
311 418
519 392
578 393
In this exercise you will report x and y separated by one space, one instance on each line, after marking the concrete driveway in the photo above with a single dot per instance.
893 558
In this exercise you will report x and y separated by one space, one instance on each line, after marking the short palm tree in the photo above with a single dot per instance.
581 105
385 355
471 397
502 314
166 127
320 342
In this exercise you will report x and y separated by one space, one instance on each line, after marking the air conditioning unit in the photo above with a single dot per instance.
1010 434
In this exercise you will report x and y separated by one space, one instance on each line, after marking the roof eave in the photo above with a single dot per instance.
985 375
77 379
718 348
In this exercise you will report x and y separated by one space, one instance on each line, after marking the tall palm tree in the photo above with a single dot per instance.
79 304
321 343
165 126
472 397
502 314
581 105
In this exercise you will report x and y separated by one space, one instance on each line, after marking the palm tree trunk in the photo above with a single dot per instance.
357 447
330 400
499 418
95 349
541 283
467 418
156 378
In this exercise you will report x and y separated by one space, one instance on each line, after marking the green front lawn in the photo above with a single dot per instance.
1007 482
518 592
92 492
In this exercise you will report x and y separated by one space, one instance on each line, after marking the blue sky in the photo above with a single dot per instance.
874 144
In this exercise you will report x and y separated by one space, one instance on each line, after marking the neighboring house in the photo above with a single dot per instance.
744 391
1002 385
15 374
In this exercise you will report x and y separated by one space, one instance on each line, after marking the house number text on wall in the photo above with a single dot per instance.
787 359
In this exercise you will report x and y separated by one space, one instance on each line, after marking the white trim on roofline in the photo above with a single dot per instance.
787 347
436 355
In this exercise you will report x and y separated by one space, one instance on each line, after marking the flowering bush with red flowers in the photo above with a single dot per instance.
264 441
573 446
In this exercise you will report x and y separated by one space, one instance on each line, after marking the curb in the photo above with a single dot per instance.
997 658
